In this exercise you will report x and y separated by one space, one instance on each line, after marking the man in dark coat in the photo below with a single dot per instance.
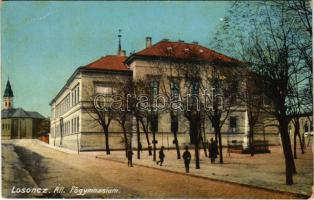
130 155
161 156
187 158
215 149
212 150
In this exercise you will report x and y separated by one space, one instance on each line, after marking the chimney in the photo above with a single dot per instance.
122 53
148 42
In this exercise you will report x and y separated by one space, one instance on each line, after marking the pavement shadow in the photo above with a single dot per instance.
33 163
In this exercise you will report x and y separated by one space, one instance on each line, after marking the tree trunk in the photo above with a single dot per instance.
191 132
148 144
220 147
297 133
204 139
125 140
251 141
138 139
154 146
286 145
295 143
107 141
218 133
204 145
177 144
147 139
301 143
196 141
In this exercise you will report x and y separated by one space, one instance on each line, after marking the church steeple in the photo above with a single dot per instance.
119 47
120 51
8 96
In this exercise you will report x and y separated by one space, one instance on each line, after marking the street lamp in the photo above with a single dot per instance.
154 129
61 130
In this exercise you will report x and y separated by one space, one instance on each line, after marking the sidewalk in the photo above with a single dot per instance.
262 170
35 142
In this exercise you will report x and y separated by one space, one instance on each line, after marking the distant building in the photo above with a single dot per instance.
16 122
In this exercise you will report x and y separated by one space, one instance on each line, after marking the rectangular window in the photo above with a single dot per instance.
73 125
195 88
233 122
78 94
100 89
74 97
154 86
77 124
235 86
175 88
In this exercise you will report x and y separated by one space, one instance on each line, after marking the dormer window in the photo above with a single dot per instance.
201 50
169 49
186 49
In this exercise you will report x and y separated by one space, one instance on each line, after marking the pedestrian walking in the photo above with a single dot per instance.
130 155
161 156
212 150
187 158
216 148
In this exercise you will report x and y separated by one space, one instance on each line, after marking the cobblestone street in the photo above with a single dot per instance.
37 165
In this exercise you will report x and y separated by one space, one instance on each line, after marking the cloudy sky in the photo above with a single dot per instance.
44 42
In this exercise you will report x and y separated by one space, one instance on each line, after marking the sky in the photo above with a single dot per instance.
42 43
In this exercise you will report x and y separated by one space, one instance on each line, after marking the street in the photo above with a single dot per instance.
29 164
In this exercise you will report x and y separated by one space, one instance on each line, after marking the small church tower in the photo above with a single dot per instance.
8 96
121 52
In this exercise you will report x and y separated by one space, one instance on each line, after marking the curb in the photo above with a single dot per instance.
302 196
64 150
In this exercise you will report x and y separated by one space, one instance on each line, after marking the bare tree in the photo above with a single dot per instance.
183 71
271 46
253 98
141 110
225 89
98 108
122 114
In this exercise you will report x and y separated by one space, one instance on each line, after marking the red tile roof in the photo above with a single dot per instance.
109 62
181 50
